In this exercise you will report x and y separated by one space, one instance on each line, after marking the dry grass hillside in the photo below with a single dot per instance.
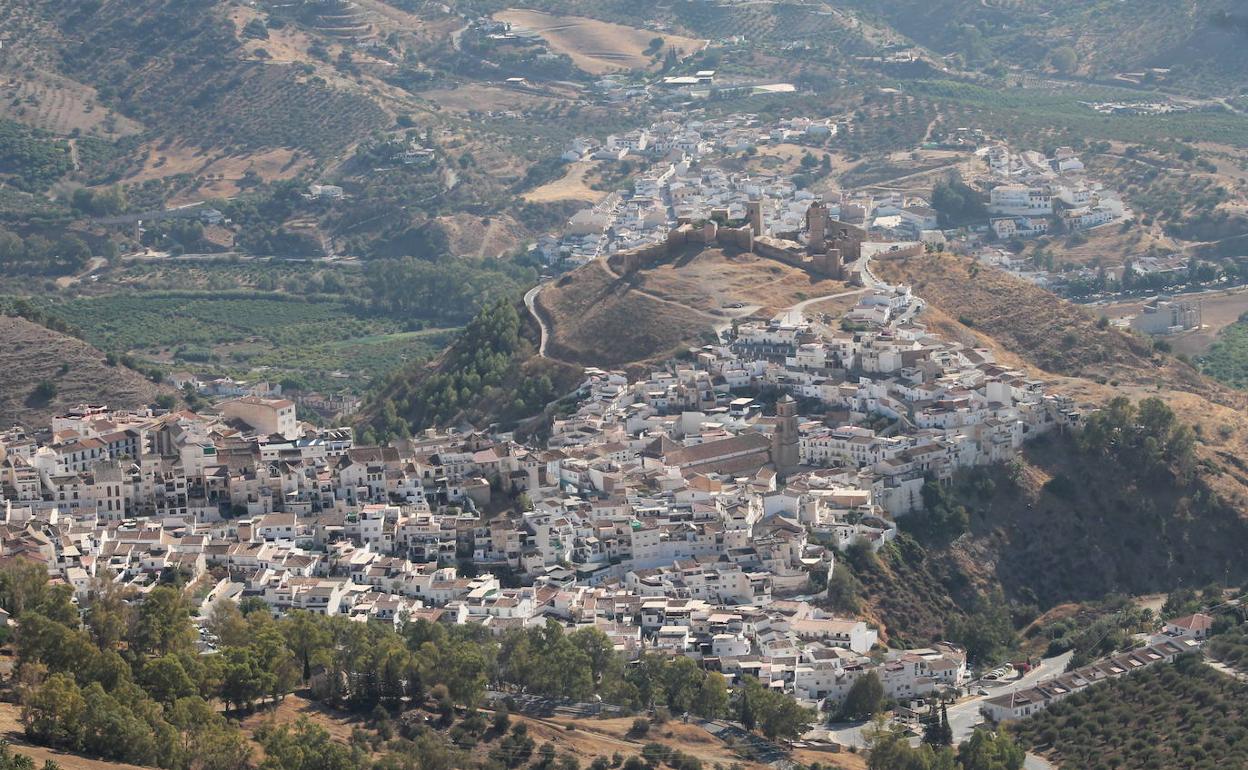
600 319
1031 327
475 236
714 279
31 354
1048 333
597 47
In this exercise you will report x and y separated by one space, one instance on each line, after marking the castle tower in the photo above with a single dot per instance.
785 454
755 209
816 227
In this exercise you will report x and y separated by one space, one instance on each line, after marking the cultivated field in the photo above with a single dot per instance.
60 105
597 47
325 344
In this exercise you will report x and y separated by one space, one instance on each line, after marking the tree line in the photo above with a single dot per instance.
1145 436
124 678
890 749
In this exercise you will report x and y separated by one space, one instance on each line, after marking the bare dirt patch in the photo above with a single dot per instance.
1218 310
833 308
223 173
295 707
597 47
711 280
477 236
572 186
845 760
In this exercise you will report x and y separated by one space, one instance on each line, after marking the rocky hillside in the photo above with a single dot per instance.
74 372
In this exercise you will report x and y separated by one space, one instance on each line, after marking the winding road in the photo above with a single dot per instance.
530 299
800 307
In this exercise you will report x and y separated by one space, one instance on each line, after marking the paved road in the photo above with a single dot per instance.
529 298
800 308
964 715
868 278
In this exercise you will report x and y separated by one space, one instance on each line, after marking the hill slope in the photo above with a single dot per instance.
1045 332
600 318
1202 40
1063 524
32 354
188 75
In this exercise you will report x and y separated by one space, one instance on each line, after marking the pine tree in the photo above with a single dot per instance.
932 730
747 712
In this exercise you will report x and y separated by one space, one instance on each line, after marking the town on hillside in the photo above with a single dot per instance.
675 512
